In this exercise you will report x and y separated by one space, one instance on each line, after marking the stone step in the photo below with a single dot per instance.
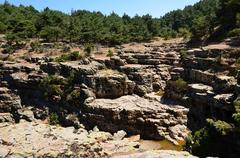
199 88
209 63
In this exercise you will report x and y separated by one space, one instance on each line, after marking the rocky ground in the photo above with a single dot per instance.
160 92
37 139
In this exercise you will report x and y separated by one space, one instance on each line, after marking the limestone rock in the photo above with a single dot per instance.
155 154
136 115
6 117
36 139
9 100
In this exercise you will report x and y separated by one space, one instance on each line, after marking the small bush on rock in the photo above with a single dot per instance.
234 32
110 53
180 85
208 141
53 119
236 116
218 59
221 127
236 105
35 46
69 57
183 55
88 48
51 85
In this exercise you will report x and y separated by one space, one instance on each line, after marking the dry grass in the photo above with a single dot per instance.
108 72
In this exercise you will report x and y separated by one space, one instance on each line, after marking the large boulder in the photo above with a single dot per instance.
137 115
108 83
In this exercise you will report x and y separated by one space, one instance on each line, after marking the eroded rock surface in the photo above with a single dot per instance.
137 115
41 140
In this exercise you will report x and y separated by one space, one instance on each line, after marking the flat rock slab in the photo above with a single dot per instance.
137 115
36 139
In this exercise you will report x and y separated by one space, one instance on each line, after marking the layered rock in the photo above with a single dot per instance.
210 84
9 100
137 115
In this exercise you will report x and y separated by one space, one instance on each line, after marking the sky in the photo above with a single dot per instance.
156 8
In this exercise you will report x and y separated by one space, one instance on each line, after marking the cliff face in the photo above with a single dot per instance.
209 75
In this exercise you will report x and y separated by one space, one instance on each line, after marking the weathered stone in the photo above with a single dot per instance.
135 115
119 135
26 114
224 101
6 117
225 84
40 140
200 76
155 154
109 84
9 100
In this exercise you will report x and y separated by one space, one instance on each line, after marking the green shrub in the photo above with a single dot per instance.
207 141
180 85
236 105
9 49
218 59
234 32
35 46
183 55
73 56
88 48
221 127
236 118
184 32
188 143
167 33
53 119
51 85
110 53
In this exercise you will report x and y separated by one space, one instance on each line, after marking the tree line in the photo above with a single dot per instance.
198 22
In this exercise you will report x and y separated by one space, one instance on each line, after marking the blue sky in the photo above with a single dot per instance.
156 8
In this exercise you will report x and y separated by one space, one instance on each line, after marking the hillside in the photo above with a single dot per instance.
198 21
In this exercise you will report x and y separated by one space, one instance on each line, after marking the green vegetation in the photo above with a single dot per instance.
110 53
206 19
218 59
53 119
80 27
60 91
184 32
88 48
73 56
180 85
236 116
35 46
209 141
198 21
51 85
234 32
183 55
217 138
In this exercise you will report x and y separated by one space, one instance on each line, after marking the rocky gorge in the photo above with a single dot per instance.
161 92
